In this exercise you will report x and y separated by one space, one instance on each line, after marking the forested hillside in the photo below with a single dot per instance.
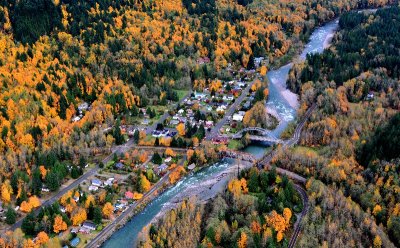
72 71
352 141
120 55
256 210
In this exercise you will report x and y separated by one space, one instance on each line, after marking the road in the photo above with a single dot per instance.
92 172
215 130
297 225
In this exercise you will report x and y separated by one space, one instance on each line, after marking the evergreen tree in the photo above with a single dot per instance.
97 215
52 181
28 224
157 142
259 96
136 136
11 216
36 182
63 107
119 138
156 159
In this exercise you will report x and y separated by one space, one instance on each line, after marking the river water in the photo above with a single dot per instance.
279 99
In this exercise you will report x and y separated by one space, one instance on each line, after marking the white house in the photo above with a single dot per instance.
93 188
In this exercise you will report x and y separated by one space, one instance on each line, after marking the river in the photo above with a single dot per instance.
283 102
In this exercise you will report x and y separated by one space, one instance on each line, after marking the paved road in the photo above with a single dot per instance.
297 225
215 130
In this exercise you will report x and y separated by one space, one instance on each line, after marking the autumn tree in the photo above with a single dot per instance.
144 184
108 210
6 191
59 224
78 216
181 129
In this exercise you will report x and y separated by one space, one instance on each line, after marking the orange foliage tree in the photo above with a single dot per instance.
108 210
59 224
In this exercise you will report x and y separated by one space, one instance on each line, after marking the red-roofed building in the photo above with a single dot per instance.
128 195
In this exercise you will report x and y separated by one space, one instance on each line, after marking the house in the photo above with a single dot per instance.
209 124
258 60
181 111
203 60
120 205
92 188
97 183
62 209
168 159
237 117
174 122
45 189
76 118
119 166
370 96
162 168
221 109
75 242
89 225
84 230
247 105
128 195
191 166
145 122
109 181
83 106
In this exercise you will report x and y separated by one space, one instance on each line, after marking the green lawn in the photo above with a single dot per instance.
181 93
234 145
305 149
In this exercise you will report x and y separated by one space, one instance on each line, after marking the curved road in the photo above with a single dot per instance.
297 225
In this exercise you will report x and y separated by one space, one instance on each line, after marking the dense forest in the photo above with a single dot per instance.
256 210
352 142
121 55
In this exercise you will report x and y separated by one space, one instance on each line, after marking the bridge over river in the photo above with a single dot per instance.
256 134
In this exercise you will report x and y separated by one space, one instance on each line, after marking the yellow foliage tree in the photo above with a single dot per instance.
43 171
181 129
78 216
170 152
59 224
145 184
90 200
42 238
242 242
108 210
6 191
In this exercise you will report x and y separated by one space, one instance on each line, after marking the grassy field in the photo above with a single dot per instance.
234 145
181 93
